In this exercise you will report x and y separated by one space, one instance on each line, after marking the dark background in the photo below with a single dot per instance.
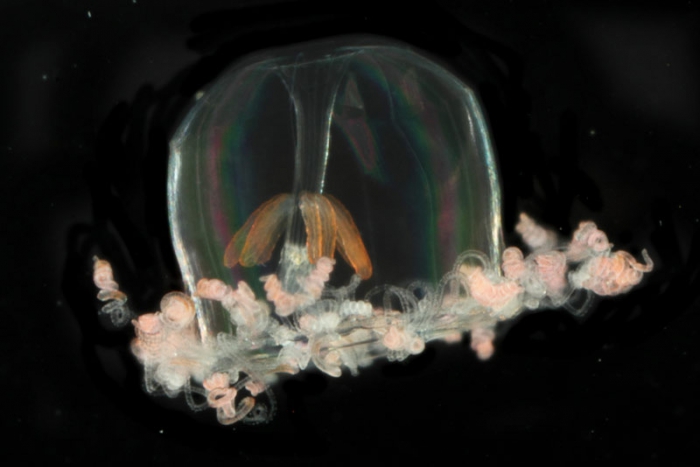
594 114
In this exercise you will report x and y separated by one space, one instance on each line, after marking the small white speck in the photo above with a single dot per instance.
600 360
679 206
660 223
44 77
161 432
198 95
89 14
592 132
59 303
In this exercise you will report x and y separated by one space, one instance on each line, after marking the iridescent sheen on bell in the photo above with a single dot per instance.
370 133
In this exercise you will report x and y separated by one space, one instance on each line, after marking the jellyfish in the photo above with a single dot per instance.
357 146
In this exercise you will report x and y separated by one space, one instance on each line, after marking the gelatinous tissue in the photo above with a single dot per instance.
359 147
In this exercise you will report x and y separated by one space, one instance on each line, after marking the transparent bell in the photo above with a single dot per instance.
396 139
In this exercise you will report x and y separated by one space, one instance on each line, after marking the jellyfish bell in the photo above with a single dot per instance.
357 146
363 130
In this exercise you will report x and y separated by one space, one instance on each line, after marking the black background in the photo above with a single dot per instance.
594 114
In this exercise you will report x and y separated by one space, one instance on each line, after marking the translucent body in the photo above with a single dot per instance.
398 140
369 151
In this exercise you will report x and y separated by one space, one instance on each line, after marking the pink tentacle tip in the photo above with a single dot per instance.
285 303
416 346
613 274
488 293
452 337
148 344
482 343
325 265
255 387
513 263
316 280
223 400
587 241
148 324
535 236
178 309
212 289
244 295
216 381
222 397
394 339
102 275
401 339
